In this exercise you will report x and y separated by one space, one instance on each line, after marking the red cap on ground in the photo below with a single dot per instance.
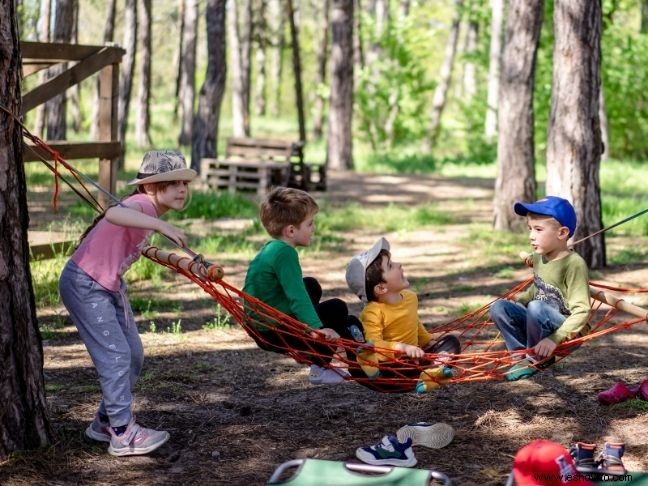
546 463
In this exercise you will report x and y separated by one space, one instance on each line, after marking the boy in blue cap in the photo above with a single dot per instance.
556 306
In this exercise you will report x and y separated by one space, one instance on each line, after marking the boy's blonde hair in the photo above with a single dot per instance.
284 206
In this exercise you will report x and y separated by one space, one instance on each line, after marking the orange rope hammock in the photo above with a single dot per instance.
483 355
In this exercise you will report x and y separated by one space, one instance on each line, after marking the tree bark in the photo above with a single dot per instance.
260 97
470 70
143 120
109 35
240 41
126 73
605 132
644 16
205 130
340 144
358 46
177 61
297 71
320 79
56 107
276 27
495 60
188 76
441 90
574 145
23 408
515 148
75 91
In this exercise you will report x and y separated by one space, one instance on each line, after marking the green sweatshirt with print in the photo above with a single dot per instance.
563 284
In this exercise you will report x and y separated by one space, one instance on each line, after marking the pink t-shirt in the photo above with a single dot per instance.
109 250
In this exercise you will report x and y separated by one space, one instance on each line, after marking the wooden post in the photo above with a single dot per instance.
107 127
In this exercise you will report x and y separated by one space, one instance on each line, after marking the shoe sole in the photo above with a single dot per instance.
368 458
126 451
92 434
434 436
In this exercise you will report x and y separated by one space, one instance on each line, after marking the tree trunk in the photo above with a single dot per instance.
261 28
75 91
644 16
358 47
143 120
605 132
240 37
43 36
205 130
188 77
494 62
469 71
127 70
276 27
515 148
177 61
441 90
340 144
109 35
56 107
23 408
320 79
405 6
574 144
297 71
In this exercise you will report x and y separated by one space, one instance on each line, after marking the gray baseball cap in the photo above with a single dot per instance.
357 268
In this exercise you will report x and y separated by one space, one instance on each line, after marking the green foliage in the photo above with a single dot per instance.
45 276
215 205
221 320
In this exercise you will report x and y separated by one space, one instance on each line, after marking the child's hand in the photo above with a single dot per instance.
527 257
409 350
329 333
177 236
545 348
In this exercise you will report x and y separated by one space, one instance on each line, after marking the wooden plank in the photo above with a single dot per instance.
264 142
34 67
272 164
70 77
70 150
58 51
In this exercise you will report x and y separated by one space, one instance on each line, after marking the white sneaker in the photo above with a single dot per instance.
426 434
326 376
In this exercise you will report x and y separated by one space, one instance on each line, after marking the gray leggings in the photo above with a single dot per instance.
106 325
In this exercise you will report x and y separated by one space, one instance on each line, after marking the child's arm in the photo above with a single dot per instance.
133 217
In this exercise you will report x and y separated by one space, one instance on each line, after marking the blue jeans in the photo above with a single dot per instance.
106 325
524 327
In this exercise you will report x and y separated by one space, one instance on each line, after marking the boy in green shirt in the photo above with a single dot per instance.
274 276
556 306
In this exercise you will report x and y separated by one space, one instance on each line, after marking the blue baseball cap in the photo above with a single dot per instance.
558 208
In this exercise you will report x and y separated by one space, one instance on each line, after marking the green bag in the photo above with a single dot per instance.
316 472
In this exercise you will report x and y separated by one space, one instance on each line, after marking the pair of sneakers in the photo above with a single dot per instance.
135 440
397 450
608 461
326 376
620 392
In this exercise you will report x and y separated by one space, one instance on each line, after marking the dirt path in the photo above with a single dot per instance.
235 412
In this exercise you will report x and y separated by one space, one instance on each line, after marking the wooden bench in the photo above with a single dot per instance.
258 163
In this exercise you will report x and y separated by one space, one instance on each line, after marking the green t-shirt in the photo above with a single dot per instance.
563 284
274 276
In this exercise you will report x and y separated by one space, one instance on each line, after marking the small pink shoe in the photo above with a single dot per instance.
643 390
618 393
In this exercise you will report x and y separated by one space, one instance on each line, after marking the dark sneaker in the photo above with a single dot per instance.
618 393
136 440
521 370
98 430
426 434
447 344
583 455
610 459
390 452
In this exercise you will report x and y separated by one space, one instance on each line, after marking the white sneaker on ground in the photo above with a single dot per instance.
326 376
389 452
136 440
426 434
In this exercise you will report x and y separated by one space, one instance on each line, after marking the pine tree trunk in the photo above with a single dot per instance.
405 6
340 143
205 129
23 408
127 70
320 79
56 107
297 71
260 98
495 60
605 132
644 16
276 27
358 47
574 145
441 90
75 91
109 35
143 120
177 58
515 149
43 36
188 76
470 71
